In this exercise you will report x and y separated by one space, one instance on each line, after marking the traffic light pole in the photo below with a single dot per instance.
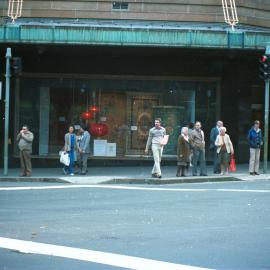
266 118
266 125
8 57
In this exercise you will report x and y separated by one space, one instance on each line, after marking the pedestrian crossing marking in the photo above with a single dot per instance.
106 258
140 188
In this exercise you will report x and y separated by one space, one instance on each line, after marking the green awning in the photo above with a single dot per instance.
130 35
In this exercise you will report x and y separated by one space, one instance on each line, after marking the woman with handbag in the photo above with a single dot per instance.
224 150
70 147
183 153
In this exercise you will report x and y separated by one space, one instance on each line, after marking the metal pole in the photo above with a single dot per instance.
8 56
266 118
266 124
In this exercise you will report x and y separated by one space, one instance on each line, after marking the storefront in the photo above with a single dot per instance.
132 74
126 105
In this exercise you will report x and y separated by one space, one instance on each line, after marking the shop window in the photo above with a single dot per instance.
126 107
120 6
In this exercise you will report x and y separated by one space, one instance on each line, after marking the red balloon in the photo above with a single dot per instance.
87 115
99 129
94 109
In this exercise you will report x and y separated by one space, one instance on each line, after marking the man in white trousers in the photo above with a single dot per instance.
155 138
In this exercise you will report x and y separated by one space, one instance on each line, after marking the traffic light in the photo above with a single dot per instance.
16 65
265 67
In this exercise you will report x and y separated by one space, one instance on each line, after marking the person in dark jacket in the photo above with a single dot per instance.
183 153
255 141
213 136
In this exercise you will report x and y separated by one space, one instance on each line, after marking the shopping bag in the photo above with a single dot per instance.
64 158
232 164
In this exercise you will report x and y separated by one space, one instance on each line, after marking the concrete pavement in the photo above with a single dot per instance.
127 174
209 225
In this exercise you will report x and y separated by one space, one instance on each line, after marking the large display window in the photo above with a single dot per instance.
125 106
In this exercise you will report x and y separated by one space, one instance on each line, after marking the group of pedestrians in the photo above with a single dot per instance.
191 149
78 148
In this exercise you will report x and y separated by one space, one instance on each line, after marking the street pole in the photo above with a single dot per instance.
266 124
8 57
266 118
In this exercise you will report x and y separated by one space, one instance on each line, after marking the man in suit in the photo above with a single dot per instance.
84 149
25 139
213 136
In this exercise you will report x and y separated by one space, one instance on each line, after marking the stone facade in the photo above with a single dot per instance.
255 13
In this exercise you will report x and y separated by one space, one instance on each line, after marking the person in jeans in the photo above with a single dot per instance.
213 136
25 140
198 145
155 137
70 147
255 141
224 150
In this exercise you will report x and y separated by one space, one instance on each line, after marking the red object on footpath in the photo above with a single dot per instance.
232 164
98 129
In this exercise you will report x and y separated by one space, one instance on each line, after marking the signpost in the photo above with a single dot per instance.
8 57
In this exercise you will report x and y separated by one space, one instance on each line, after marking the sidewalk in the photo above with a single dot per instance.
127 175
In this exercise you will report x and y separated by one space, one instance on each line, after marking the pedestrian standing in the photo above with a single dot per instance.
255 141
25 140
155 138
183 153
224 150
77 153
197 141
70 147
190 128
84 149
213 136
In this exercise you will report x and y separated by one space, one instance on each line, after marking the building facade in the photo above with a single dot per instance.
133 61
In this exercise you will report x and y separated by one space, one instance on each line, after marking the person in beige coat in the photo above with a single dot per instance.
25 140
224 150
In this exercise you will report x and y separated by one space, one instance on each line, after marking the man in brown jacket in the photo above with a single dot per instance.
25 139
198 145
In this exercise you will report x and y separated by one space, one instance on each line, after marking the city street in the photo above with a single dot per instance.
222 225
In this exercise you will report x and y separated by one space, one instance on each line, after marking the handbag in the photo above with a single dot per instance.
64 158
232 164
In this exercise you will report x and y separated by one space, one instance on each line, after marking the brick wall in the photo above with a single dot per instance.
250 12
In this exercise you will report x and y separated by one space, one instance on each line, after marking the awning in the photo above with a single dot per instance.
126 33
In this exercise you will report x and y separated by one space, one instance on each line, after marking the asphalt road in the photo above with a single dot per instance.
210 225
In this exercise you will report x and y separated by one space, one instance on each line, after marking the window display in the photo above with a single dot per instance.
119 111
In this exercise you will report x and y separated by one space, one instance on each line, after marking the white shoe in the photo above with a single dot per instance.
72 174
222 173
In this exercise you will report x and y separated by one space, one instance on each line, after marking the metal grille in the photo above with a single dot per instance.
15 9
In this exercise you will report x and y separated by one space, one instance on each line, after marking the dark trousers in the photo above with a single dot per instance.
216 164
82 161
26 165
199 156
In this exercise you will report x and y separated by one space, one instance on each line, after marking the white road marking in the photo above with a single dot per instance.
134 188
106 258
